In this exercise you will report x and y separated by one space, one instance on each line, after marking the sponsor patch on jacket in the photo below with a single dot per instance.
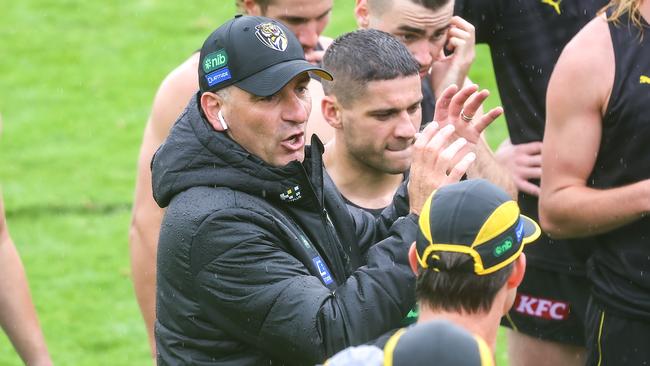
218 76
323 271
541 308
291 194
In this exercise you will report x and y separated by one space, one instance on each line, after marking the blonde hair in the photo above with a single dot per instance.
620 8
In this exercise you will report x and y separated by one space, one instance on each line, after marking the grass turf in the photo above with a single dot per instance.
78 79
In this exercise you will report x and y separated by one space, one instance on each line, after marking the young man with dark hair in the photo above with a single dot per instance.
260 259
374 109
306 19
373 104
596 182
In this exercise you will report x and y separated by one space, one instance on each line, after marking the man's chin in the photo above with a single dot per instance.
288 158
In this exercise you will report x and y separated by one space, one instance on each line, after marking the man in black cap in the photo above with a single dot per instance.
306 19
469 256
260 260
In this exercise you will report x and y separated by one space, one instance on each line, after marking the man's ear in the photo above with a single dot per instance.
251 7
413 260
362 14
518 271
211 105
331 111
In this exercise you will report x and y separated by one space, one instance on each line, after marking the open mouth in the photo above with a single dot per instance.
294 142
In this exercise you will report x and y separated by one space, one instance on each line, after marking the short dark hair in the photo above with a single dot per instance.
380 6
456 287
365 55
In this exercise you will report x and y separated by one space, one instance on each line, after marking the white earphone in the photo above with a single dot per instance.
222 121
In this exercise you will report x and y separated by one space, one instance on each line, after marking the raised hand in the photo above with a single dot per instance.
437 160
457 107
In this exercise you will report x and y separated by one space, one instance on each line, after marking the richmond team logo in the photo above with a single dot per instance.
272 36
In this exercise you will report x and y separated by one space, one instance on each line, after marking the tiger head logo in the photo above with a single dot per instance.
272 36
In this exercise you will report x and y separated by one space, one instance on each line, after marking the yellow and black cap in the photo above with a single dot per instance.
438 342
476 218
257 54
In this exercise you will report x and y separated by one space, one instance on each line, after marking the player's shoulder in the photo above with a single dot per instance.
173 95
184 76
590 52
586 64
594 36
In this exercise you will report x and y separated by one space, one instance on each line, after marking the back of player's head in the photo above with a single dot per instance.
362 56
470 234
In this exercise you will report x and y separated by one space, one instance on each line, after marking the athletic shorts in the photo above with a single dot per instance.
550 306
613 340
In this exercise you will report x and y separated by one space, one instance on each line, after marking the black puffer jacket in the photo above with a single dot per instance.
260 265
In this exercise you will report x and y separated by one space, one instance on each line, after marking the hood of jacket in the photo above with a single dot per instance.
195 154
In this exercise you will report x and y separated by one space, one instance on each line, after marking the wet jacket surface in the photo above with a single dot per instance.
266 265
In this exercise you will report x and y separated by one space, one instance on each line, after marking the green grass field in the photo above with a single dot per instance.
78 79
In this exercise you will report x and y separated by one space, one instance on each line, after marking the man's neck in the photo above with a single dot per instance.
483 324
364 186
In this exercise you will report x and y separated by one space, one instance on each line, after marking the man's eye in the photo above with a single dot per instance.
408 38
270 98
413 108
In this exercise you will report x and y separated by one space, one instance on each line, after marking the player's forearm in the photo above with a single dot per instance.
579 211
488 168
17 313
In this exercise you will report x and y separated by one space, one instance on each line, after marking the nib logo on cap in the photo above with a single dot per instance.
272 36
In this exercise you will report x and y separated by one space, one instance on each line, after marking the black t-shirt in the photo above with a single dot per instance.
376 212
526 38
619 267
428 102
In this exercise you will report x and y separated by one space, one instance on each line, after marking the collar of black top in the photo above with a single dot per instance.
476 218
257 54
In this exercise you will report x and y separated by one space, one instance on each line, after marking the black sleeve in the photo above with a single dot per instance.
280 307
483 14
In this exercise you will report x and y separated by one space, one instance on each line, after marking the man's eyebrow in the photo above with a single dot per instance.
380 111
407 28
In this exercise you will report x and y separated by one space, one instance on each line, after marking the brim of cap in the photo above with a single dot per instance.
270 80
531 230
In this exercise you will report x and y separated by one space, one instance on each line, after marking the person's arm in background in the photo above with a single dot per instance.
487 166
501 167
17 313
524 162
568 207
448 109
171 98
